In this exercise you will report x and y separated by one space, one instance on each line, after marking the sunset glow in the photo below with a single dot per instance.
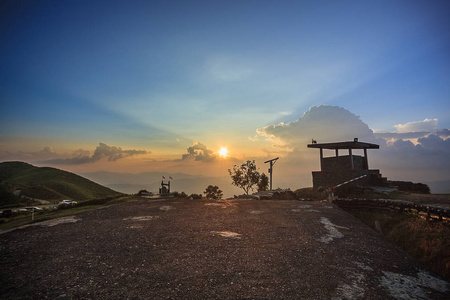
171 87
223 152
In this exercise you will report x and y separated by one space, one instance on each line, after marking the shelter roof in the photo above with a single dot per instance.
344 145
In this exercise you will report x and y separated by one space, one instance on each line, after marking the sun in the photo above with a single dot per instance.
223 152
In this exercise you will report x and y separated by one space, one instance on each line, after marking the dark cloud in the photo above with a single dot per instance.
199 152
103 151
443 133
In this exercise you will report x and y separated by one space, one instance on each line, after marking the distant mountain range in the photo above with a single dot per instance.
439 187
131 183
44 183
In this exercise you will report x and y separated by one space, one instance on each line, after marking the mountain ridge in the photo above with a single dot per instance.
47 183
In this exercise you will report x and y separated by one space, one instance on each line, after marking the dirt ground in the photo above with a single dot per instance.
197 249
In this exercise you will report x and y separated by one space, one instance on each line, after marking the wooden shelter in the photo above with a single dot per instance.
340 168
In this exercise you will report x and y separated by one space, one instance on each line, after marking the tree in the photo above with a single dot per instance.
213 192
245 176
263 183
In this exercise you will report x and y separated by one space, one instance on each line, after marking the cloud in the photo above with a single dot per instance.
199 152
420 155
103 151
44 154
443 133
428 125
402 135
322 123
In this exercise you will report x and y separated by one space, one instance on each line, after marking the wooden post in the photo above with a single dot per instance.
351 159
366 159
321 158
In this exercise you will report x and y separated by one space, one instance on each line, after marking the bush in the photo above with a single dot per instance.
309 194
179 195
213 192
196 196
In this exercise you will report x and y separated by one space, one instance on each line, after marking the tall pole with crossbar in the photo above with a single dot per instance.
272 162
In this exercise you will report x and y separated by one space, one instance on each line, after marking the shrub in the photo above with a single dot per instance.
213 192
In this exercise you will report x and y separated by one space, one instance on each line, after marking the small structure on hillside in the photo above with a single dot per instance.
165 188
341 168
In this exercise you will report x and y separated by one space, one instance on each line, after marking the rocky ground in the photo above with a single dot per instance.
197 249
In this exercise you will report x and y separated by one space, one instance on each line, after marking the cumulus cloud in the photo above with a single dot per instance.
427 125
418 151
322 123
103 151
199 152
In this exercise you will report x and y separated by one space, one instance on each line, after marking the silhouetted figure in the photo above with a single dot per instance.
314 141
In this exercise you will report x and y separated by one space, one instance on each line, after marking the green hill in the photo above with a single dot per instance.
46 184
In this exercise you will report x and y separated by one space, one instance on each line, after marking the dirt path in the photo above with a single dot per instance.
193 249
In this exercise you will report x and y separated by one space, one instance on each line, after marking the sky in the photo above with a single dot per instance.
138 86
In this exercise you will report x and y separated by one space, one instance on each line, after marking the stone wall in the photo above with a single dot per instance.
327 178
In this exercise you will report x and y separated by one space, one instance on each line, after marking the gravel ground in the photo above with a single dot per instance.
197 249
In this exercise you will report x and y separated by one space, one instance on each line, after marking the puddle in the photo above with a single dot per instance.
296 210
313 210
227 234
333 233
402 286
256 212
142 218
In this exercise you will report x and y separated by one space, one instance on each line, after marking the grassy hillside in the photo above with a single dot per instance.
46 184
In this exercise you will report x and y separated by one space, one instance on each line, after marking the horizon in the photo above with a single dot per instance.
198 87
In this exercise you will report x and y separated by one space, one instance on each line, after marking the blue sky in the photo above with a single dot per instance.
162 76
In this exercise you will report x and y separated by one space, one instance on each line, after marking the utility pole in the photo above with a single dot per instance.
272 162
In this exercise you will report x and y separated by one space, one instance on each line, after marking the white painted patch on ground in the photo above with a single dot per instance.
216 204
166 208
227 234
256 212
48 223
135 227
402 286
313 210
363 266
352 290
333 233
63 220
305 206
296 210
142 218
